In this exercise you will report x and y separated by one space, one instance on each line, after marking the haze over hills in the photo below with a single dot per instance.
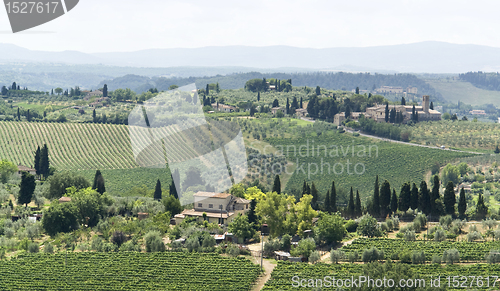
423 57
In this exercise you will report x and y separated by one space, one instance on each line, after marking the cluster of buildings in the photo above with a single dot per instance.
377 112
396 90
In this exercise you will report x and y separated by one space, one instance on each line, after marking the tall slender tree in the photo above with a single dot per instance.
394 201
449 198
287 105
98 184
357 205
434 196
301 102
462 203
314 193
105 91
385 198
277 184
44 161
258 96
376 199
328 207
157 194
424 198
38 153
350 205
333 198
405 197
414 197
386 112
26 188
481 208
175 176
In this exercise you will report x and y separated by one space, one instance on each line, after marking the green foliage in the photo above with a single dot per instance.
449 198
59 182
154 242
91 205
372 254
451 256
241 228
60 218
330 228
368 226
26 189
351 225
6 170
314 257
336 256
304 248
450 173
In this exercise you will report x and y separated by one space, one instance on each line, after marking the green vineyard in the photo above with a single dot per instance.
283 275
72 146
127 271
469 251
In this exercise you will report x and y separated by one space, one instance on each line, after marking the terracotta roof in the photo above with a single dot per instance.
192 212
65 199
242 201
212 194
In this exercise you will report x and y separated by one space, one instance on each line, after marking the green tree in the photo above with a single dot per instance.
497 150
394 201
6 170
241 227
318 91
481 208
327 202
276 103
403 101
368 226
414 197
277 184
304 248
105 91
274 210
434 196
26 188
60 217
462 203
58 90
157 193
98 184
350 205
376 199
424 198
172 204
91 205
330 228
258 96
59 182
385 198
386 112
44 161
449 198
94 116
405 197
357 205
450 173
333 198
4 90
154 242
252 216
314 194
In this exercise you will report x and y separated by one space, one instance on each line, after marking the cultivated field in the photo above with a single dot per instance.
454 91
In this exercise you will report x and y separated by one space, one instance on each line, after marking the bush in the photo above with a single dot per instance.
418 258
368 226
436 259
390 224
445 221
33 248
353 257
154 242
451 256
417 227
271 246
493 257
233 250
422 219
351 226
405 257
409 235
439 235
372 254
97 244
336 256
48 249
314 257
118 238
472 236
286 242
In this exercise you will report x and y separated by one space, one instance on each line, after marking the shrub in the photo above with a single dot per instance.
395 221
436 259
192 243
390 224
351 225
48 249
336 256
233 250
372 254
118 238
353 257
418 258
451 256
489 223
33 248
472 236
493 257
314 257
154 242
445 221
409 235
422 219
97 244
405 257
439 235
286 242
417 227
368 226
271 246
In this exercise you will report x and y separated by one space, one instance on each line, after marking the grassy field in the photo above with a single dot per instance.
480 136
454 91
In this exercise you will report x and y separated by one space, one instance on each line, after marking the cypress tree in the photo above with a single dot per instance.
434 196
277 184
481 208
462 203
333 198
350 204
26 188
414 197
327 201
301 102
386 112
98 184
304 188
94 116
449 198
376 199
394 201
44 161
157 194
403 101
287 105
252 217
175 176
258 96
207 90
424 198
38 153
357 205
405 197
314 193
385 198
105 91
431 106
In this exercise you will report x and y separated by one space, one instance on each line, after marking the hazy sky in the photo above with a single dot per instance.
129 25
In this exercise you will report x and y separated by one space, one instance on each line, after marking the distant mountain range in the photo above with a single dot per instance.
423 57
